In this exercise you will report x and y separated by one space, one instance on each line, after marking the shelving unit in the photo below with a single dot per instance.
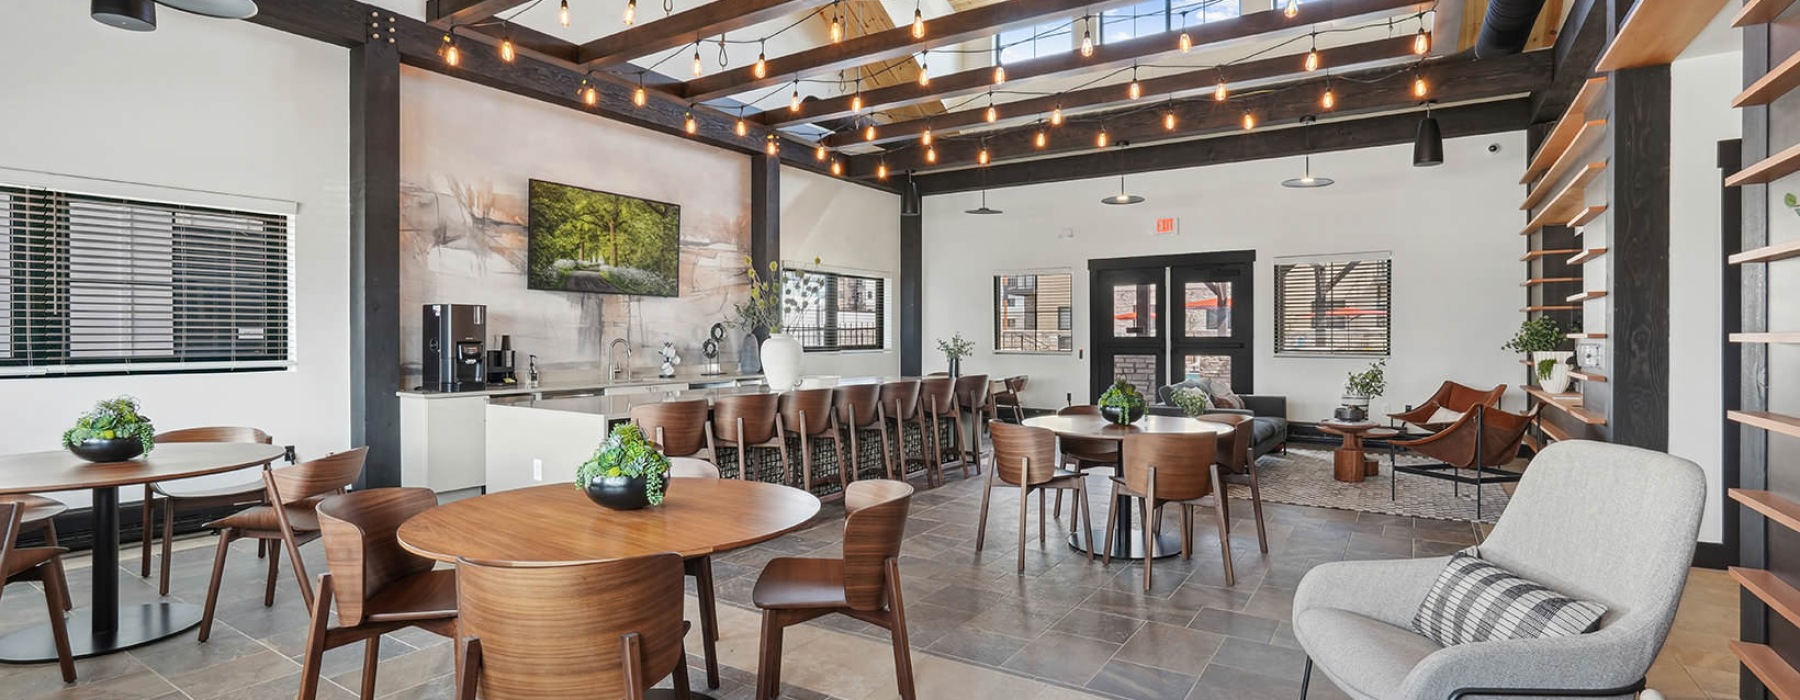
1768 169
1769 588
1765 337
1554 307
1567 128
1774 507
1771 253
1587 376
1772 422
1772 85
1551 431
1585 217
1548 280
1656 31
1759 12
1586 336
1567 403
1569 203
1775 674
1585 296
1533 255
1587 256
1584 140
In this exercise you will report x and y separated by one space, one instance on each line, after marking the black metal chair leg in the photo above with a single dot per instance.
1305 678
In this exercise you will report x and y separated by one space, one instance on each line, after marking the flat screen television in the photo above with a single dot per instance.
594 242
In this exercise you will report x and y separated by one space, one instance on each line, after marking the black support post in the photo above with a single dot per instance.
1639 234
912 289
765 214
375 259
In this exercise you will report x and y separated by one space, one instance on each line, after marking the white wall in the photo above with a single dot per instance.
226 107
851 229
1453 231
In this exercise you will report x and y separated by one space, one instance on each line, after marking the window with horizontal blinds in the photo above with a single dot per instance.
828 311
1032 312
1334 306
101 285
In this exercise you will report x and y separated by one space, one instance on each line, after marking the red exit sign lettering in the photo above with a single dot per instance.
1167 226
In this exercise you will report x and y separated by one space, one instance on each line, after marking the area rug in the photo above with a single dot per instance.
1303 477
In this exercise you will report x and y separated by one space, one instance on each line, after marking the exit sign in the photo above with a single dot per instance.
1167 226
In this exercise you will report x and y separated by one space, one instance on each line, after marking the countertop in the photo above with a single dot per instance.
618 406
574 385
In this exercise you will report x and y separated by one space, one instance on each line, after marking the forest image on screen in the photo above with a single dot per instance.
603 243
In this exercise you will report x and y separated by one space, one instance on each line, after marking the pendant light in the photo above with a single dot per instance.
984 209
130 15
761 68
1306 180
222 9
909 201
1123 198
1428 144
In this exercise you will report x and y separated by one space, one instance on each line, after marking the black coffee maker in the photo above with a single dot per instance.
455 347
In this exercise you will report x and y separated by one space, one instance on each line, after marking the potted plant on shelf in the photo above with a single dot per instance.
627 472
114 431
955 349
1359 389
770 302
1122 403
1538 339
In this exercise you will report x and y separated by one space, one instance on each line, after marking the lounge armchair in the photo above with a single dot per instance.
1470 450
1451 401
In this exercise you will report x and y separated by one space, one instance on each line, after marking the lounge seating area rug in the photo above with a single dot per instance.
1303 476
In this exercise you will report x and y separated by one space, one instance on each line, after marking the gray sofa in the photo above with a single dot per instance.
1268 430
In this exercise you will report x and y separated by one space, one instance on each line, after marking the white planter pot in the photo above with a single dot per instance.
1558 381
781 361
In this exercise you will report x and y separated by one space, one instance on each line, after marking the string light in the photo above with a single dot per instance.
924 72
993 114
881 171
761 69
999 74
837 26
1087 38
1220 93
451 54
1249 121
837 167
1135 89
869 132
1292 10
918 25
1420 89
698 68
562 13
1042 140
794 100
1186 43
630 12
773 147
743 129
819 153
590 95
982 156
931 154
1421 41
1056 118
1312 55
640 96
1102 138
856 103
925 138
507 52
1329 99
1169 119
689 124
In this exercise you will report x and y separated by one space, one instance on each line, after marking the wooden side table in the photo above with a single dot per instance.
1350 466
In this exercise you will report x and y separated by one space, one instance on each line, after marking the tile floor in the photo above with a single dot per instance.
1066 628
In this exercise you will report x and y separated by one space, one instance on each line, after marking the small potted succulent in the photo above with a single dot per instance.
114 431
1359 388
1122 403
627 472
955 349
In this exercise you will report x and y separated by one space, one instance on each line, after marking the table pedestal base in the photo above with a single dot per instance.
1349 466
1131 546
138 625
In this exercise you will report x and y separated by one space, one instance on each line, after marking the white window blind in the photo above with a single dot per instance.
1338 305
846 312
101 285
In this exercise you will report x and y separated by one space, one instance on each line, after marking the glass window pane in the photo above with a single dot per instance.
1208 307
1214 367
1192 12
1133 21
1032 313
1140 370
1027 43
1134 311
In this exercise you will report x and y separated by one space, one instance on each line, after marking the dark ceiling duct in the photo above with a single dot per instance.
1507 27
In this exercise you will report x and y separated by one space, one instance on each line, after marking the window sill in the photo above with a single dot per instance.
858 351
1040 353
1335 355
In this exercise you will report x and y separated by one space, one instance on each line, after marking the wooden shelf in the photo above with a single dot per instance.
1656 31
1768 170
1586 336
1776 675
1548 280
1530 309
1587 256
1765 337
1587 376
1533 255
1551 431
1588 295
1568 403
1759 12
1779 509
1774 84
1771 253
1586 217
1556 144
1771 590
1584 141
1772 422
1569 203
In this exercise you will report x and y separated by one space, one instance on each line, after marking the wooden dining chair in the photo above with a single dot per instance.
377 585
859 412
808 413
972 403
171 498
604 629
20 564
1082 454
678 427
748 422
899 406
701 569
937 404
1164 468
1026 458
863 584
1008 397
1237 465
288 518
39 513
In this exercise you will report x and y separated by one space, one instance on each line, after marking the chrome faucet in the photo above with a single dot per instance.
613 362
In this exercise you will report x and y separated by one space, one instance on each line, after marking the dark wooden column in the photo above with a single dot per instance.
375 259
1639 276
912 285
765 213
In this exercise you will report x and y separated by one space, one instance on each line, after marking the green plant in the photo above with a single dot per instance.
1369 383
1544 368
1193 402
1792 202
769 301
955 348
112 419
1541 334
626 452
1124 396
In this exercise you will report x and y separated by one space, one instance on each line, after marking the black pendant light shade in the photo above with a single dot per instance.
909 200
1122 198
1428 146
222 9
984 209
132 15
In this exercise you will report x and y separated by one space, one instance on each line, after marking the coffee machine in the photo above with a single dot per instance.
500 363
455 347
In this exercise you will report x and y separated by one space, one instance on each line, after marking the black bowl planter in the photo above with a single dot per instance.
104 451
1112 414
620 492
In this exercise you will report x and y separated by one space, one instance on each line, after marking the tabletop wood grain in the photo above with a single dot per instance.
557 524
1098 427
36 472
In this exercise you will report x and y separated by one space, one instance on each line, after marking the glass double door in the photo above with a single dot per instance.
1162 323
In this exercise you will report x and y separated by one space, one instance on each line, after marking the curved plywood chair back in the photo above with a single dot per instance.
678 427
808 410
1022 454
1183 463
325 475
221 433
900 400
972 392
361 548
856 404
758 411
937 395
873 529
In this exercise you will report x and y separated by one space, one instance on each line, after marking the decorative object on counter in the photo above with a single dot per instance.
771 301
955 349
710 348
1122 403
1539 337
531 372
670 360
114 431
501 364
1359 388
627 472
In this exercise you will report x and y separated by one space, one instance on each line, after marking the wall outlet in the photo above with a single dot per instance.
537 469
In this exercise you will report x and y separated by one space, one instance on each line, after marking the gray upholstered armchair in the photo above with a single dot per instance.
1599 522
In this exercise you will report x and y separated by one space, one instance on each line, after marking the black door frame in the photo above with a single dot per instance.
1105 346
1240 346
1166 345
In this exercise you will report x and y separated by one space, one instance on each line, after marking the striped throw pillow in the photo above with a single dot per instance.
1474 601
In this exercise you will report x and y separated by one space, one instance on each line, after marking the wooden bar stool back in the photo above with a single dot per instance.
39 513
1163 468
605 629
173 499
864 584
937 403
858 410
899 406
18 564
809 413
289 518
747 422
1026 458
679 427
377 585
972 403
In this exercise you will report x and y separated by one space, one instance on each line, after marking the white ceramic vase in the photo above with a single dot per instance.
1558 381
781 361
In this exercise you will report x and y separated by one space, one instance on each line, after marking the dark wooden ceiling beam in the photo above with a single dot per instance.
444 13
1387 130
1106 56
893 43
1262 69
686 27
1456 79
527 38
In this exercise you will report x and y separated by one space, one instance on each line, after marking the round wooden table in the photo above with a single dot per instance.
1127 542
1351 465
105 626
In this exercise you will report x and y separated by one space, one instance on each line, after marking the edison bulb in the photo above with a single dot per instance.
837 30
1419 87
819 153
930 154
1249 121
507 53
1312 60
837 167
794 101
1042 139
639 96
1135 90
741 127
925 138
1186 43
1329 100
773 148
1220 93
689 124
993 114
1292 10
924 74
761 69
999 74
452 55
918 25
982 157
1056 118
881 171
562 13
698 68
1087 44
1421 42
630 12
869 133
856 102
591 96
1102 139
1168 121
